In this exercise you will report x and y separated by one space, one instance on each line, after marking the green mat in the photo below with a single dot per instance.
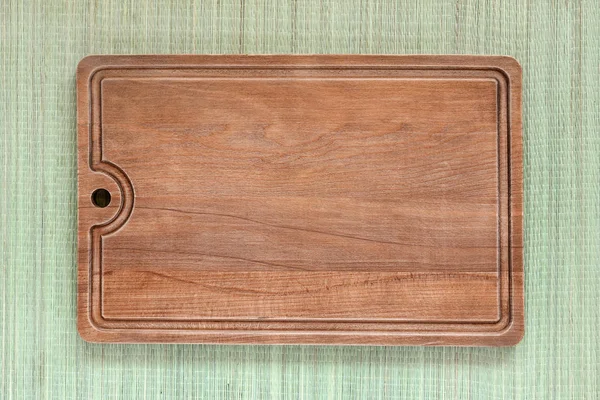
41 354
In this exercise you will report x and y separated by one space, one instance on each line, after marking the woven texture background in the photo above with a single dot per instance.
41 354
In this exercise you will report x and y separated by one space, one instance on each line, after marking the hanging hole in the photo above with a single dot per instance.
101 198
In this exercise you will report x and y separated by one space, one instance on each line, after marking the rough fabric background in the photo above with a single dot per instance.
41 355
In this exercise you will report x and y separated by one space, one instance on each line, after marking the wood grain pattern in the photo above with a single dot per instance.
301 199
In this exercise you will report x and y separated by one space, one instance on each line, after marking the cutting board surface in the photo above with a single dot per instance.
300 199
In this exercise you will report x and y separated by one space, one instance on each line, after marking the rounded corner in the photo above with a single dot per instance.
511 60
510 66
87 330
520 335
87 64
513 334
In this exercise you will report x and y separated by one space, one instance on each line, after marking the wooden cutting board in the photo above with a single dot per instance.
300 199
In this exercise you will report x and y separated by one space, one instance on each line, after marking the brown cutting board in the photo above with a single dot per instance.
300 199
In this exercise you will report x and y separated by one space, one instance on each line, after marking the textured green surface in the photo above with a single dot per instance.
41 355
